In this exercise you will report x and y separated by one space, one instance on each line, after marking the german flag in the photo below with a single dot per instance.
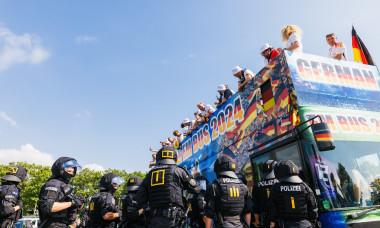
267 95
361 53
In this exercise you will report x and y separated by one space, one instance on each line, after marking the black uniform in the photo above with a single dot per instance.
104 202
163 188
261 192
57 189
130 208
10 195
227 198
197 204
291 200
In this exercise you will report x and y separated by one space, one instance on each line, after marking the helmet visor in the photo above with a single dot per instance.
203 184
72 164
117 180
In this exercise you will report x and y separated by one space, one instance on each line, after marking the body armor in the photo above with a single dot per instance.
232 196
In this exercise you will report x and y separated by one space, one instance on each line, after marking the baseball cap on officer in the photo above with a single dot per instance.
287 171
134 183
167 156
267 169
225 166
15 173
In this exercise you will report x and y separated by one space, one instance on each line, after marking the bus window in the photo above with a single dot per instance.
257 162
289 152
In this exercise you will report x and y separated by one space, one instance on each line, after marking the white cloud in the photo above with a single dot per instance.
94 167
164 61
83 114
5 117
16 49
26 153
191 56
86 39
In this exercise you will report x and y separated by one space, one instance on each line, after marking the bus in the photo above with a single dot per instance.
323 114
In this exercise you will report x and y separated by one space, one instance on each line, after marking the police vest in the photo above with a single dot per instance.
292 202
129 204
263 192
57 190
9 194
98 202
165 188
232 192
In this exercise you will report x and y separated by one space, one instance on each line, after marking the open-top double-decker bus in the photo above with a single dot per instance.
277 117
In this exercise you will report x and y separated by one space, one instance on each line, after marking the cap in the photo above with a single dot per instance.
166 155
225 166
287 171
236 70
221 87
186 121
134 183
265 47
15 173
267 169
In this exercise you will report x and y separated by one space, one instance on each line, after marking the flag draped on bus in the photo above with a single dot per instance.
361 53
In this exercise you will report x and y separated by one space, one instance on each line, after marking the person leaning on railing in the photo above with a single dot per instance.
225 94
243 75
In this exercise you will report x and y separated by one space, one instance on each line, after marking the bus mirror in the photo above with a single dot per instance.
323 136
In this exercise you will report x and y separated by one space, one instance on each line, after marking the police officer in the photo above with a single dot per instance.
103 211
57 204
10 200
134 215
227 198
163 187
197 204
291 200
261 193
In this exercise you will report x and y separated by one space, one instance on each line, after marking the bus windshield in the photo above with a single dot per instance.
348 176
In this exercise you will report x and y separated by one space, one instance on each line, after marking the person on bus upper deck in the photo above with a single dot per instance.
268 53
292 35
205 111
228 201
179 136
243 75
225 94
187 126
261 193
291 200
337 49
227 87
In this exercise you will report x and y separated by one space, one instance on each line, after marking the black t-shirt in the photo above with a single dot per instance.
227 94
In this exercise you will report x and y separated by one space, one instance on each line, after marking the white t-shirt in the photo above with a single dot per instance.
338 48
292 39
207 109
187 128
245 73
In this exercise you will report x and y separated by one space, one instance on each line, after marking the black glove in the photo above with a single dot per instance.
19 203
77 200
201 203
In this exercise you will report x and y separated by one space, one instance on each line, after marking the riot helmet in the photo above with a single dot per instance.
134 183
15 173
166 156
287 171
225 166
203 182
267 170
109 183
242 178
65 168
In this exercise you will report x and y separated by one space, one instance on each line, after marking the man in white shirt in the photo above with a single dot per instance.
337 49
205 111
243 75
187 126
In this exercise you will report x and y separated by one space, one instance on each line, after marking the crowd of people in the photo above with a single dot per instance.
292 38
168 197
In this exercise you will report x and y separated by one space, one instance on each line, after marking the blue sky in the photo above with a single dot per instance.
102 81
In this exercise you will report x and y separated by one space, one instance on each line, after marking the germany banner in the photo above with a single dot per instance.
361 53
